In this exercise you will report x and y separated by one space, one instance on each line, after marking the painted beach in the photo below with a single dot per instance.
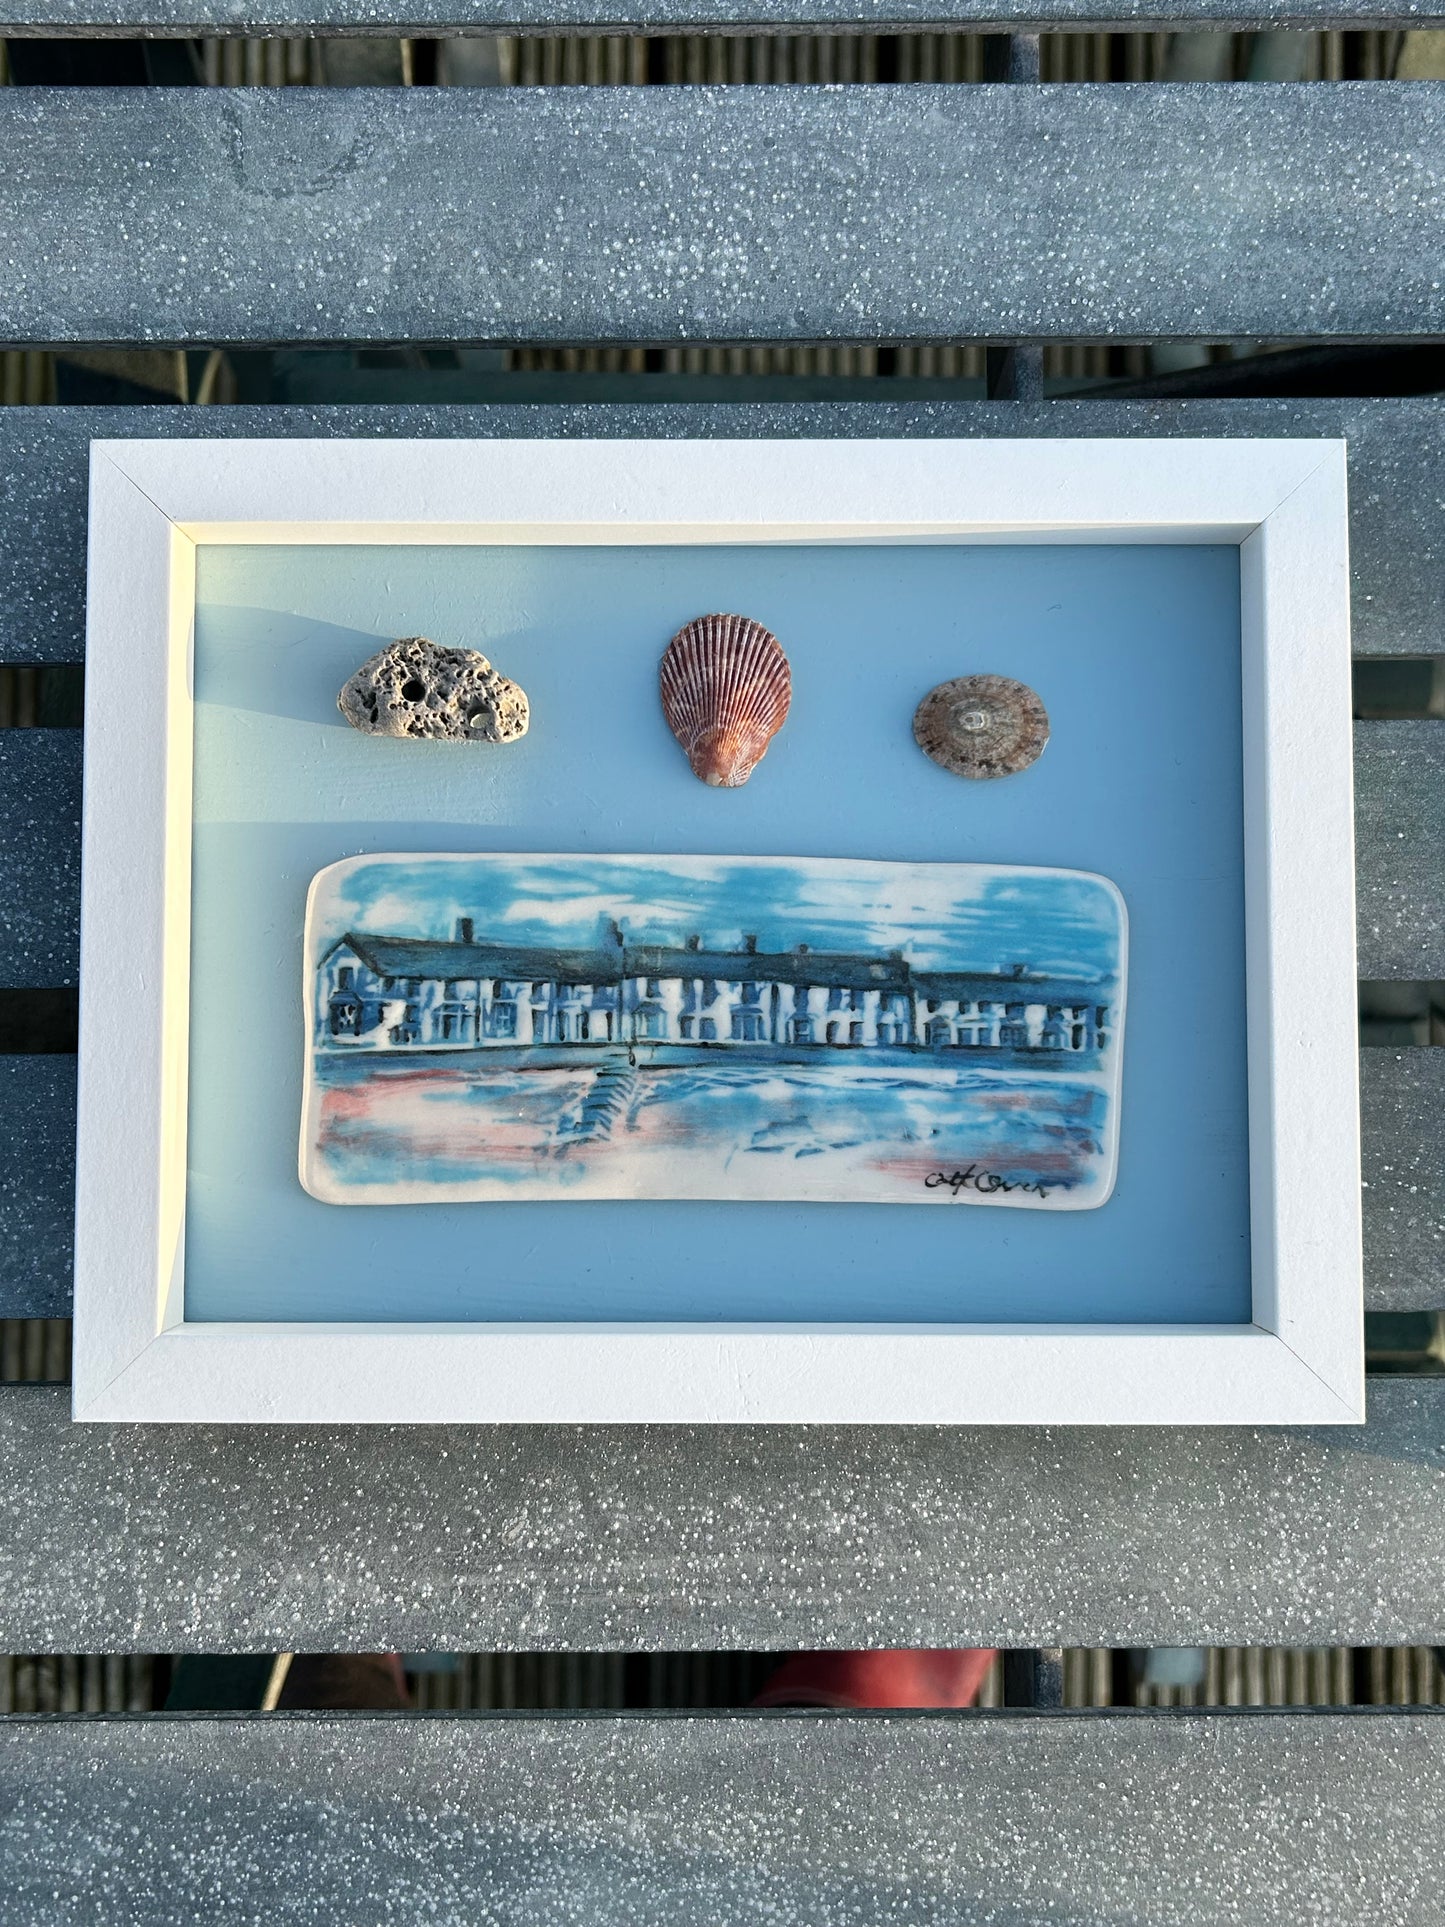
639 1129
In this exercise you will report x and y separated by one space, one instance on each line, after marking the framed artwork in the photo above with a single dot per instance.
513 991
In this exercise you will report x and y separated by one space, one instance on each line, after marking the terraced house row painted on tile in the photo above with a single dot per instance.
383 992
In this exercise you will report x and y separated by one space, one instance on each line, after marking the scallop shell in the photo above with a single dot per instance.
726 686
982 726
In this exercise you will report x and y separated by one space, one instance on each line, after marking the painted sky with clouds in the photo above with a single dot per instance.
943 916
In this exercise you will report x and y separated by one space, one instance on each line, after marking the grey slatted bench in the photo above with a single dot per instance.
1148 213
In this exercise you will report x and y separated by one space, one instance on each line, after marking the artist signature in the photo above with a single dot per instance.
972 1179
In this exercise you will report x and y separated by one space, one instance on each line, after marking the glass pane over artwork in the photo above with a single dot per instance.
1135 651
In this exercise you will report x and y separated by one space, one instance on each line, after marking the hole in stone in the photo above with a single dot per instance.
412 690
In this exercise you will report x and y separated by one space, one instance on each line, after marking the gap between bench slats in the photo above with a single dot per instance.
1403 1158
1140 212
1397 538
121 1538
1183 1820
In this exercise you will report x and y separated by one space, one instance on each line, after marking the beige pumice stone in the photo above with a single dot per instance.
417 688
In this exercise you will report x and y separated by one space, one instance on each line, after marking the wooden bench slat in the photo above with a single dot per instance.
1400 845
328 1539
1302 1819
260 18
1133 212
39 857
1402 1116
1403 1094
1397 448
37 1185
1400 813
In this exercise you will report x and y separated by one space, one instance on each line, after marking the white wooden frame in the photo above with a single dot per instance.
1283 502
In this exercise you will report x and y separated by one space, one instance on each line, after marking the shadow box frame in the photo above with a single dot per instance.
1282 502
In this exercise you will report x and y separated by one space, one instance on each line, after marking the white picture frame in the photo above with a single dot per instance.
1283 502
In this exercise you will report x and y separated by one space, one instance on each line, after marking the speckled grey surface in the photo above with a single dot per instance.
1402 1115
37 1185
1396 456
731 213
389 17
1042 1820
39 857
474 1539
1400 846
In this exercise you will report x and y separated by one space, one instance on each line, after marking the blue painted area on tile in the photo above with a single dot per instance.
1134 650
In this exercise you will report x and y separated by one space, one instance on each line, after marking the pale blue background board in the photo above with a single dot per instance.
1135 651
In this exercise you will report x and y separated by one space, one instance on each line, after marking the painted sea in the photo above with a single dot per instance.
510 1028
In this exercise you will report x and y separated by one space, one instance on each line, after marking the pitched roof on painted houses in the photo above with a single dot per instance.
968 986
419 957
831 969
414 958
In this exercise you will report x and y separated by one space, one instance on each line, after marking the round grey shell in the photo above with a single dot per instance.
982 726
417 688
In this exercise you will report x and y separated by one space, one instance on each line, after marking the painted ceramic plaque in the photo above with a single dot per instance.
505 1028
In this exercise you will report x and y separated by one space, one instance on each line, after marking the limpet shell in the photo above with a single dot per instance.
725 686
982 726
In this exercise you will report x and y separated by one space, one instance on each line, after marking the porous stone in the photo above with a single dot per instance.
415 687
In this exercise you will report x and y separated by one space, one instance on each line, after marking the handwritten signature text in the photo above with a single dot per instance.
989 1183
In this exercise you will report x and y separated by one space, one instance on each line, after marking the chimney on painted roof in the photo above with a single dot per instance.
750 943
465 927
694 943
804 949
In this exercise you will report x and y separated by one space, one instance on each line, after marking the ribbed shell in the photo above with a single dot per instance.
726 686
